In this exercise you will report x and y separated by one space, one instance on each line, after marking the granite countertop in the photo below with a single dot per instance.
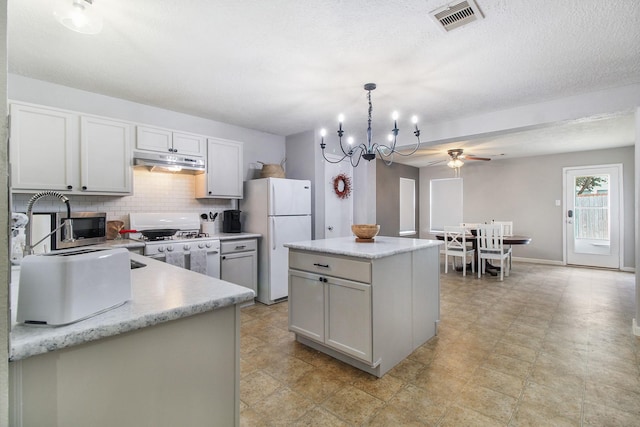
160 293
381 247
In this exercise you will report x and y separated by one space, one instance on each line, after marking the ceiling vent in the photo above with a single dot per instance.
456 15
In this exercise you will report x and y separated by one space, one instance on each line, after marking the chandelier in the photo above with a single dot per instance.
368 151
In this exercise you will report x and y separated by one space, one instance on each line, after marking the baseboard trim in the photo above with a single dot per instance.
537 261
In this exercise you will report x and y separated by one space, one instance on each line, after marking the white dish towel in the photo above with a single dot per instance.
175 258
199 261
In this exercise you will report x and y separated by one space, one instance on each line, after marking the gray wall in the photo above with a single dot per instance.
301 159
388 196
524 190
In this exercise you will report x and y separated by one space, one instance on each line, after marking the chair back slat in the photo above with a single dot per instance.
507 226
490 237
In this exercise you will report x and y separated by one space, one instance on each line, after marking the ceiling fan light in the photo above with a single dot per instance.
455 163
78 15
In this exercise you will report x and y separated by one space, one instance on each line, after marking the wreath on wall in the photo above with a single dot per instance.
342 185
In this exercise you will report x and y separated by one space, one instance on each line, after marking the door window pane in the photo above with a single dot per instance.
591 201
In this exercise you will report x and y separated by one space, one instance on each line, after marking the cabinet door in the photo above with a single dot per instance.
306 305
188 144
43 148
348 313
224 169
154 139
240 268
105 155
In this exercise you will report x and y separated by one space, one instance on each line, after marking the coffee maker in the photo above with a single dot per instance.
231 221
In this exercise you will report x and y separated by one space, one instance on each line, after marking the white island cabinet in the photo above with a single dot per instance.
168 357
367 304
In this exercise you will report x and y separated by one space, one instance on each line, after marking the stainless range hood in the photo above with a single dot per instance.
158 162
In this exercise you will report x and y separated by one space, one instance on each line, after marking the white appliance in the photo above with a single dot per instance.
66 286
186 247
280 210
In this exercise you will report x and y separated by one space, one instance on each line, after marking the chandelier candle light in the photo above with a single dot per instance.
368 150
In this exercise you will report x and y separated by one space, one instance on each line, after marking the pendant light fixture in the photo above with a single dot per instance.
368 151
78 15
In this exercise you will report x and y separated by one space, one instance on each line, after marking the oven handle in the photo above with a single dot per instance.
160 257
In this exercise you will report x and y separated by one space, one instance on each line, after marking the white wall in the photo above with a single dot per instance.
524 190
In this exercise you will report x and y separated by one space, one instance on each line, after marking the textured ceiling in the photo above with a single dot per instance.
286 66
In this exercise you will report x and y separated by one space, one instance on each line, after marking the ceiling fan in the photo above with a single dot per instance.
457 156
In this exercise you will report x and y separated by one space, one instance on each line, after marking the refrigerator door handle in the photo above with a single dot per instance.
273 232
273 200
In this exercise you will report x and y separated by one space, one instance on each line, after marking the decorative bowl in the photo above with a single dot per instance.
365 232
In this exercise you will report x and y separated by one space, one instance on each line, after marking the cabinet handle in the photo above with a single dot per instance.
241 247
322 279
69 187
224 257
84 187
321 265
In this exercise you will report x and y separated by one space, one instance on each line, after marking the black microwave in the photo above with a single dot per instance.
89 228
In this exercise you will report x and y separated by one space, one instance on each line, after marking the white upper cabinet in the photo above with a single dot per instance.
43 148
167 141
53 149
225 164
105 150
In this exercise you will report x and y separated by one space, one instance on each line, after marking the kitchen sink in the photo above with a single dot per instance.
137 264
59 288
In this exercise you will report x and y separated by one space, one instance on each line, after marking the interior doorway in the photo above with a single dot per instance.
338 211
593 208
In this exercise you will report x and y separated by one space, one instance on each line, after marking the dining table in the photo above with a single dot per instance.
515 239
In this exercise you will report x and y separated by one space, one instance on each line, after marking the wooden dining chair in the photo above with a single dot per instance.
455 245
491 247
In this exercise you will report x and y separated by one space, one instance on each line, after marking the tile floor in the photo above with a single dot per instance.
549 346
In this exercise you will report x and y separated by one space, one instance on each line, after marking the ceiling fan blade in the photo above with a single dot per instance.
476 158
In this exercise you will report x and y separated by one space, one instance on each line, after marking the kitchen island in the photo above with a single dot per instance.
167 357
367 304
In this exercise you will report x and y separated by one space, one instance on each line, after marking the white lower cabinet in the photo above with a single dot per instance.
368 312
239 263
333 311
348 318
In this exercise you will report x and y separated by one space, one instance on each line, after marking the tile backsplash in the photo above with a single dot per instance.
152 192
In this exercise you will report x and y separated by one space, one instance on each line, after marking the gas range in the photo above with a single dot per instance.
183 245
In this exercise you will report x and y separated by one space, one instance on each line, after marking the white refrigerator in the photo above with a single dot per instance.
280 210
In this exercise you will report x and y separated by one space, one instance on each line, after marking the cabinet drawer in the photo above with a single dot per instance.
359 271
231 246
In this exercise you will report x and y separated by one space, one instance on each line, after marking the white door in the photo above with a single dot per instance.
593 205
284 229
338 212
289 196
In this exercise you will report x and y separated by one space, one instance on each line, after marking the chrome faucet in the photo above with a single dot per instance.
67 223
